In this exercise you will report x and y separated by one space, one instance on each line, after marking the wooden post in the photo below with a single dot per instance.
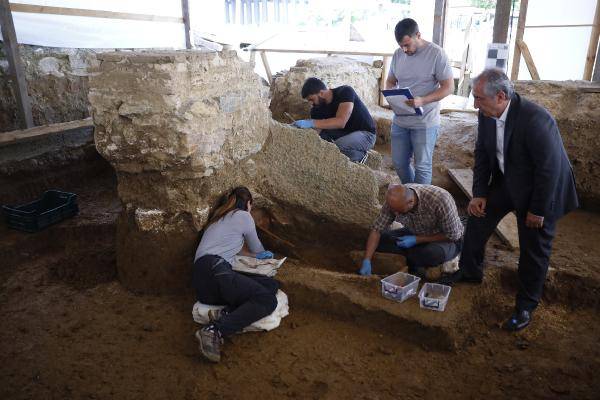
593 46
528 60
514 73
439 20
15 65
464 79
185 14
596 76
501 21
263 56
384 74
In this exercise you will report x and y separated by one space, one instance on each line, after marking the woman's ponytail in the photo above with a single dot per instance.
237 199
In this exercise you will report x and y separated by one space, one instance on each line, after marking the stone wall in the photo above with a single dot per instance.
57 81
333 71
181 128
574 105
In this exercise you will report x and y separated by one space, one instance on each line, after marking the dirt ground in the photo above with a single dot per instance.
71 331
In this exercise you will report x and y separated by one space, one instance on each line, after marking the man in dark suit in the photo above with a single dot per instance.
521 165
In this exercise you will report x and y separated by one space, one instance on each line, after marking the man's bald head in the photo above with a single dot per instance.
400 198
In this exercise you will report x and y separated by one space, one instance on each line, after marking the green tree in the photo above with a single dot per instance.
486 4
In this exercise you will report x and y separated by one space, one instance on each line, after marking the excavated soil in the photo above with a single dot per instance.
71 331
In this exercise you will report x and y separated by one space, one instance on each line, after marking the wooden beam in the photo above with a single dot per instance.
322 51
80 12
185 14
263 56
501 21
12 137
514 74
559 26
593 45
528 60
439 20
15 65
507 228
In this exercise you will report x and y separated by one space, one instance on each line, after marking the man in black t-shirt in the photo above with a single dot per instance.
340 116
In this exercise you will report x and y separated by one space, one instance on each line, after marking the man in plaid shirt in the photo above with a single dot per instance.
431 233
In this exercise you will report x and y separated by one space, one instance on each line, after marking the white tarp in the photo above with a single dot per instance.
90 32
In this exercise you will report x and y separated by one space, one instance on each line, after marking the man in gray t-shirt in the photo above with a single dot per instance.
423 67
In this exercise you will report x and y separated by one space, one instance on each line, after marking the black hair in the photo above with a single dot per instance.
312 86
406 27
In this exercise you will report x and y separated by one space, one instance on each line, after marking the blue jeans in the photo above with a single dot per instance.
406 143
353 145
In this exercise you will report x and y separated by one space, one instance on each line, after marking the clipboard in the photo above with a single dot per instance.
397 98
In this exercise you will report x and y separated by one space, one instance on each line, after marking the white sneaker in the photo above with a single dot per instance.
451 266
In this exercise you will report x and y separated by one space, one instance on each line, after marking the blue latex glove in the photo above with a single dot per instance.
406 242
304 123
366 267
264 255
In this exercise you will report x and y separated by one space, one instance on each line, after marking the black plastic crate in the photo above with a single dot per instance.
53 207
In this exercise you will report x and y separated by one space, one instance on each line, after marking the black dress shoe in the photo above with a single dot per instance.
459 276
517 321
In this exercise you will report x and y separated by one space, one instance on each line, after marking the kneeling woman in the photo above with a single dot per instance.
231 231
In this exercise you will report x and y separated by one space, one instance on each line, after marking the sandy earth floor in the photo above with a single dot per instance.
70 330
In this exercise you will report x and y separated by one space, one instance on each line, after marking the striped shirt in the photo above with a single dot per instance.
434 213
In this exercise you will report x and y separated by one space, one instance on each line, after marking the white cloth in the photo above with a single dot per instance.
500 124
200 314
251 265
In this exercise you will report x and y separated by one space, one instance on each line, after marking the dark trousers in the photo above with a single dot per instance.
535 246
421 255
247 298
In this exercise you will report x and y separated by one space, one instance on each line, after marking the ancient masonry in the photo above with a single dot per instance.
180 128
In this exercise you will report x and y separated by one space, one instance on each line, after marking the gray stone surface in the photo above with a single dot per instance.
57 81
181 128
576 112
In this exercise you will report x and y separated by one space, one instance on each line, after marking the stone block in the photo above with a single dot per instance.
574 105
333 71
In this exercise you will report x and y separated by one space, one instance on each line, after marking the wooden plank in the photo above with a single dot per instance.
80 12
559 26
326 51
507 228
263 56
7 138
514 73
15 65
593 45
501 21
528 60
185 15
